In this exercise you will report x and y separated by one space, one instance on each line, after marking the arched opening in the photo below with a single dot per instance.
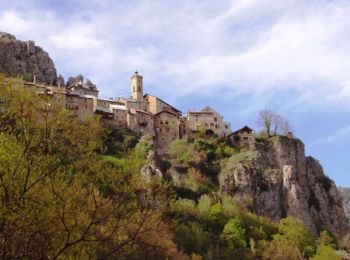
209 133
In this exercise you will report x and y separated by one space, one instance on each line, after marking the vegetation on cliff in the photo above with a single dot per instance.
74 190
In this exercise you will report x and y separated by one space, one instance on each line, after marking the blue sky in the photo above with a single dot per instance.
238 56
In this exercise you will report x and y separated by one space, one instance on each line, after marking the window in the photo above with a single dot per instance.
139 88
215 119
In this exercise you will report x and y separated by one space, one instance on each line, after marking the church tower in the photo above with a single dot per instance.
136 86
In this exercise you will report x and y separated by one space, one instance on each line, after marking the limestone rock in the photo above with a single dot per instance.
278 180
345 194
20 58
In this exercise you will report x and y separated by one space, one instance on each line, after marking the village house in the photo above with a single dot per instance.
78 86
208 120
120 113
242 137
145 114
166 125
141 121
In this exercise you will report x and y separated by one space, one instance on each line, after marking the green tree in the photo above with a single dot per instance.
234 233
292 242
58 198
325 252
327 238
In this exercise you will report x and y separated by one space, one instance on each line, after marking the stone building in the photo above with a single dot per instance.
157 105
120 113
85 107
242 137
77 85
72 101
141 121
209 120
166 125
146 114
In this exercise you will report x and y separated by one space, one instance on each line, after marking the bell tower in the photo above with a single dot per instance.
136 86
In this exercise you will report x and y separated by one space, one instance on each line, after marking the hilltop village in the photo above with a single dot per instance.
142 113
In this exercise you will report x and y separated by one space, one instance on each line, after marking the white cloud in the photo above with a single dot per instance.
340 135
248 46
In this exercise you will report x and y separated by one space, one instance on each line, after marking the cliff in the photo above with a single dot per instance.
24 58
345 194
275 179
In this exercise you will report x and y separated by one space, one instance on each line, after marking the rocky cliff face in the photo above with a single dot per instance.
276 180
345 194
19 58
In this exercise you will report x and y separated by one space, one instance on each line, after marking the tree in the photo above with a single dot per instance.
292 242
235 233
58 199
273 123
326 252
327 238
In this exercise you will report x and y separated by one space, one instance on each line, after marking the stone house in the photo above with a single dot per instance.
166 125
72 101
157 105
78 86
209 120
120 113
141 121
85 107
242 137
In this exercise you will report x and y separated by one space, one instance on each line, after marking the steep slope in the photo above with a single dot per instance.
19 58
276 180
345 194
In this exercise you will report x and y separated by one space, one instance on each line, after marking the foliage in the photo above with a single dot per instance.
327 238
325 252
59 198
292 242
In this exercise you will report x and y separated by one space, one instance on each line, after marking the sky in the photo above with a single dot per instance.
237 56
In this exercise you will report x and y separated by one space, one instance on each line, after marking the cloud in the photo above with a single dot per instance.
340 135
242 46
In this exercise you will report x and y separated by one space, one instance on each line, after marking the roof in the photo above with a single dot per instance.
200 112
103 111
87 96
118 107
84 86
166 111
163 102
133 111
245 129
209 109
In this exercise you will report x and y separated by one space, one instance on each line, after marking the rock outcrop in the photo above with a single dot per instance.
345 194
25 59
275 179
